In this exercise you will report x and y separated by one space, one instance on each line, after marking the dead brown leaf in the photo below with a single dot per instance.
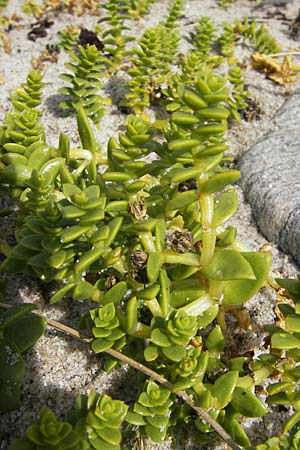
45 56
5 42
77 7
282 72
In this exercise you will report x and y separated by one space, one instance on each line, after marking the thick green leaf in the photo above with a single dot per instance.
25 331
83 290
101 344
239 291
284 340
292 322
236 431
109 435
215 340
156 434
115 294
292 286
225 205
247 403
134 418
64 290
228 265
154 263
15 312
220 181
182 199
9 396
174 352
22 444
223 389
100 444
151 353
160 338
11 362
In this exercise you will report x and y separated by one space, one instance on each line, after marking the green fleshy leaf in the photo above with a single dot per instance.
239 291
100 444
154 263
83 290
174 352
158 421
11 362
292 322
156 434
225 205
283 340
160 338
9 316
109 435
151 353
134 418
220 181
247 403
25 331
101 344
115 294
215 340
292 286
22 444
9 396
223 389
228 265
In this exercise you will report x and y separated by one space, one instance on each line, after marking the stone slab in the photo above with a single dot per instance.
270 179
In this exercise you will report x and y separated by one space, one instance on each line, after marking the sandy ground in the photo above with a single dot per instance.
59 368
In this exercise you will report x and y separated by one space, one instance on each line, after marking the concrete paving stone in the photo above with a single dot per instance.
270 179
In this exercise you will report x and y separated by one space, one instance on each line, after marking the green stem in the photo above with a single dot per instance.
187 259
154 307
208 246
147 241
198 306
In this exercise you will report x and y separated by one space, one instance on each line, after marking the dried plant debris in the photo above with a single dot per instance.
39 29
89 37
252 111
50 54
6 44
282 72
76 7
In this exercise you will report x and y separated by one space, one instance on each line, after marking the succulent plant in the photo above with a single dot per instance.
151 411
260 37
87 67
98 419
239 94
68 37
47 433
106 329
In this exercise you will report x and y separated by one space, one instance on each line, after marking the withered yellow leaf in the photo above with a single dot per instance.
282 72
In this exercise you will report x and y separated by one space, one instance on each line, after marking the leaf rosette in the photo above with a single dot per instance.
106 329
151 411
179 329
49 433
189 366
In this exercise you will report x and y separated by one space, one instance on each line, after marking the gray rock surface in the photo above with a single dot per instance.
270 179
